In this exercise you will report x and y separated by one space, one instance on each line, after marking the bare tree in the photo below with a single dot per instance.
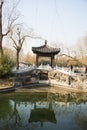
18 39
8 23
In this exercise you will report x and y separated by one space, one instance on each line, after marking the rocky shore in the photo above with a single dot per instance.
54 81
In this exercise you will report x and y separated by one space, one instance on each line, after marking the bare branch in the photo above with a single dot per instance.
33 37
13 9
12 18
6 33
14 41
15 47
22 41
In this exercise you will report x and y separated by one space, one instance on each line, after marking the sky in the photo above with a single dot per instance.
57 21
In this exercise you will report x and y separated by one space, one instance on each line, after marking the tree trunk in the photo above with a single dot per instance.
1 49
17 64
1 35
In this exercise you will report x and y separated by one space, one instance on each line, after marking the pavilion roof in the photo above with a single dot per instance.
45 49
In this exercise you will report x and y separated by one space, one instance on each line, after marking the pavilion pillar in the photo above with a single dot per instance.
37 60
52 60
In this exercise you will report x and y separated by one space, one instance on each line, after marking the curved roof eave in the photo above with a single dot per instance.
45 49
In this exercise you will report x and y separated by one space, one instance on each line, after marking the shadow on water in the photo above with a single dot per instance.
43 111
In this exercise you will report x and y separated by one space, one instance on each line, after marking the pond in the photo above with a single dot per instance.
43 111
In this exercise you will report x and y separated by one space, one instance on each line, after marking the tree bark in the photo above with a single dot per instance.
1 35
17 66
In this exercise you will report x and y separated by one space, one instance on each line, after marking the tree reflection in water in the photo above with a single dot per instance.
15 115
81 116
31 112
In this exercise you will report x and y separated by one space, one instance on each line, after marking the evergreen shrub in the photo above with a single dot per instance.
6 64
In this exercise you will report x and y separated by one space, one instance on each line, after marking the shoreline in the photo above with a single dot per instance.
42 87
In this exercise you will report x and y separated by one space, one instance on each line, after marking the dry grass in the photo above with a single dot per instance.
4 83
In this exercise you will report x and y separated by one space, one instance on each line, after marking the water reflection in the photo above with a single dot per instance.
23 112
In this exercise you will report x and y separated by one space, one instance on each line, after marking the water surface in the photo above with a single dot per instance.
43 111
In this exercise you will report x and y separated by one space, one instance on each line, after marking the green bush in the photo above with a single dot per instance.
6 64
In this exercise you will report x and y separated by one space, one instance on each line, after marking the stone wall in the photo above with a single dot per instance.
77 81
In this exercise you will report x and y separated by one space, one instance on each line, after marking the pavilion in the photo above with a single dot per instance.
45 51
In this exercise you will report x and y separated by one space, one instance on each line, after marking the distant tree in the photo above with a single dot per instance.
85 41
85 45
10 52
29 58
7 22
80 48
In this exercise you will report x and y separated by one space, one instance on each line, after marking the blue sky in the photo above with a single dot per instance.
63 21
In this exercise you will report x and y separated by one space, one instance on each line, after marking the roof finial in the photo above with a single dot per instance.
45 42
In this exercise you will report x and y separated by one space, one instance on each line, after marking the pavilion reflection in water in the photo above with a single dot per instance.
42 115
